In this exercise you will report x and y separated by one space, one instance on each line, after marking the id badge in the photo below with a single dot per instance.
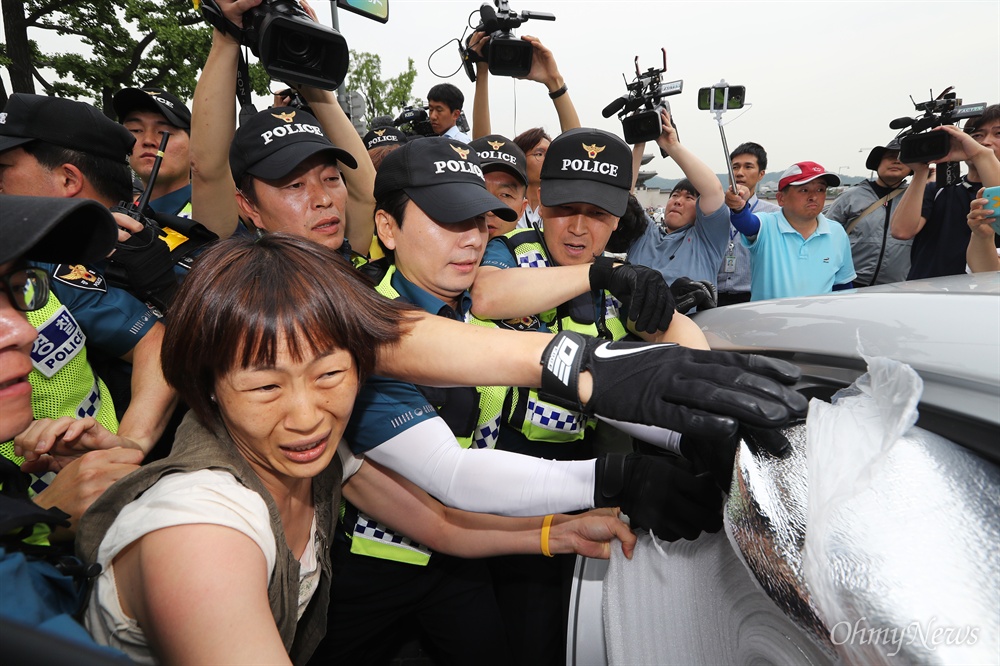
730 264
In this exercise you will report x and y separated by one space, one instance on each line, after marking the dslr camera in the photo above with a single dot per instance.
290 45
646 92
917 144
505 54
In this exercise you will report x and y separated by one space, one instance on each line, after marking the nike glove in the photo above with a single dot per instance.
695 392
659 494
688 294
642 291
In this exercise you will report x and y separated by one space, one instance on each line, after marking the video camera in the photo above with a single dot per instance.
648 92
414 121
917 144
505 54
291 46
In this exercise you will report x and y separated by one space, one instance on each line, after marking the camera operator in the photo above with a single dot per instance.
696 221
213 125
444 106
936 217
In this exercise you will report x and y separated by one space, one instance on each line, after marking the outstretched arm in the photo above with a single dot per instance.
401 505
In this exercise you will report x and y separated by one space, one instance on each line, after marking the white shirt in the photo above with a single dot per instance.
212 497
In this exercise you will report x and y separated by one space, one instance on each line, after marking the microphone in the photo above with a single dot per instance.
488 17
900 123
614 107
634 104
924 123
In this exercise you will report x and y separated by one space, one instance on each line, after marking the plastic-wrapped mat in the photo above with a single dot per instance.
902 553
902 567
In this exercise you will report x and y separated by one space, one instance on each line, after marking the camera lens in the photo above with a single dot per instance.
302 50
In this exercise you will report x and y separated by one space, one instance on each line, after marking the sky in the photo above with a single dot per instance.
823 79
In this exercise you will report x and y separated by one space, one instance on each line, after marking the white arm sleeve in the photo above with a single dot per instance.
669 440
486 480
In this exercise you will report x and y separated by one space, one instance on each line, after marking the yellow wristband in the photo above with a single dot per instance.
546 525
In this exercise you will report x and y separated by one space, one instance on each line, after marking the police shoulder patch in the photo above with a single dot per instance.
79 276
531 323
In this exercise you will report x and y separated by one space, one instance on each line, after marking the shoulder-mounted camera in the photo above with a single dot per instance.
639 110
919 145
505 54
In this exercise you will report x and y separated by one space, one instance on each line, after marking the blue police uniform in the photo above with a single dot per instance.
382 577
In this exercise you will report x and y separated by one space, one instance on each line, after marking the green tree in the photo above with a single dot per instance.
128 43
383 96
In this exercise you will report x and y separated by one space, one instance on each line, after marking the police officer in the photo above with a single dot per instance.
62 148
149 113
38 231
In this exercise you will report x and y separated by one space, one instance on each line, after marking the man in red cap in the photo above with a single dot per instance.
795 251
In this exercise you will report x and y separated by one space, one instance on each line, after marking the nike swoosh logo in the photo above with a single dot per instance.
606 353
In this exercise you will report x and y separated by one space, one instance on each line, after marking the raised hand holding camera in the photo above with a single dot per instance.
505 54
640 110
291 45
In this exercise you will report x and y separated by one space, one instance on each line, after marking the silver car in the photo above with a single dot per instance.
909 568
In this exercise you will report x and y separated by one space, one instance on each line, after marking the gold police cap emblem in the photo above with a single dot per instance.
495 145
593 149
287 117
462 152
379 132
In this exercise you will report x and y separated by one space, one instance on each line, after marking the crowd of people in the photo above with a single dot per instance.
322 392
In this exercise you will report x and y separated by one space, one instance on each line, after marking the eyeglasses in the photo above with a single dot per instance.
27 288
537 154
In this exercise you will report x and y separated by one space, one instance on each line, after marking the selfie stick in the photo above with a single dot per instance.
718 118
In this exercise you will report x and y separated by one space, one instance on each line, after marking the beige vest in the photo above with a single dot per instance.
196 448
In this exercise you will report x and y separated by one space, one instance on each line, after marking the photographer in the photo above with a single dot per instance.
213 125
695 224
444 107
935 217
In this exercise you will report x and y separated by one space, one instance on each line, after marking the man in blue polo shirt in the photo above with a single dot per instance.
796 251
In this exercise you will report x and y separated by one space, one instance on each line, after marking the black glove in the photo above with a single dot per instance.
643 292
688 294
659 494
718 456
701 393
142 265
